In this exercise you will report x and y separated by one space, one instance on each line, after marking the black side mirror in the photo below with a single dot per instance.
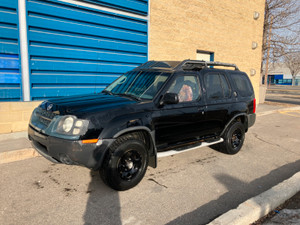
170 98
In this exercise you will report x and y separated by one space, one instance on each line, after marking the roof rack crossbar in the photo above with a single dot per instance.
191 64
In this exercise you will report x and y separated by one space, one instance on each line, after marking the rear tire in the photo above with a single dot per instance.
126 163
233 138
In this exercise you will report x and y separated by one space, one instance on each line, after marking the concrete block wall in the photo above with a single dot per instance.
178 28
14 116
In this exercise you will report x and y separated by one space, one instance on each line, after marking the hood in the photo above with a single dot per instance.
82 104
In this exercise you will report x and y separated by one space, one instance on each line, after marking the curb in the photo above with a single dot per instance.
14 135
281 91
255 208
17 155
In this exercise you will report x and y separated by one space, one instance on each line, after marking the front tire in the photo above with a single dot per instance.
234 138
126 163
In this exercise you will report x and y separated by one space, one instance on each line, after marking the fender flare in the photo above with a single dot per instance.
152 158
129 129
232 119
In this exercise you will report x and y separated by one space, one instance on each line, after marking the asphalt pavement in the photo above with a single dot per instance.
190 188
283 98
283 94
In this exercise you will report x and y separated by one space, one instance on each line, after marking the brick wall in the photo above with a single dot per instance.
15 115
179 27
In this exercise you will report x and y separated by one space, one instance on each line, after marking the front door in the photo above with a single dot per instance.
180 122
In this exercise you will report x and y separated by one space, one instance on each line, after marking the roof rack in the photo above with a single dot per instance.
200 64
167 65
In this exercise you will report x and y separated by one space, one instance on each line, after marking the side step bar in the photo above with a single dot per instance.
174 152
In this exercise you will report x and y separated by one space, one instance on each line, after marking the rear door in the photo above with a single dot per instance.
219 98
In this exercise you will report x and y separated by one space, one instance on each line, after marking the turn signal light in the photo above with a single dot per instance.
90 141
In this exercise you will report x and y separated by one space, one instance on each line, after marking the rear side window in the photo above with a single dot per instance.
242 84
217 86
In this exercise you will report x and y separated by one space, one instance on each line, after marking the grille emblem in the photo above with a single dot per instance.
49 107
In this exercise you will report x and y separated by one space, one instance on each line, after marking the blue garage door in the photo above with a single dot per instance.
10 77
77 49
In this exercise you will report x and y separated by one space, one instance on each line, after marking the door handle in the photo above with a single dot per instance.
202 110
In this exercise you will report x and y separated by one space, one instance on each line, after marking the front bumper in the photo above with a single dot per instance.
69 152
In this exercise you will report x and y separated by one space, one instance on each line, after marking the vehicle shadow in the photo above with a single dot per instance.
217 148
103 205
238 192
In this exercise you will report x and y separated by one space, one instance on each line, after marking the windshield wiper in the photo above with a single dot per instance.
122 94
130 96
107 92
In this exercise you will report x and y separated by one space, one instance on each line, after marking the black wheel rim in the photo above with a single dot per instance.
236 138
129 165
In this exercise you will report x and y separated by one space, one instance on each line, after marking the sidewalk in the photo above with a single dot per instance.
16 146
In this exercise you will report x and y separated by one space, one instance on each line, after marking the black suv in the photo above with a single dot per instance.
157 109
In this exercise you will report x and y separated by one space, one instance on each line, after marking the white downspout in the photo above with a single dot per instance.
24 49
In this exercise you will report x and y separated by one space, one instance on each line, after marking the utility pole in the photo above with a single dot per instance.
268 52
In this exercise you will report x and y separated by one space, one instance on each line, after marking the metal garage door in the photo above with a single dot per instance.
10 77
77 49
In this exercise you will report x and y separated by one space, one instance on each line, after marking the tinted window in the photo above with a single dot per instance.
187 88
216 86
242 84
225 86
140 84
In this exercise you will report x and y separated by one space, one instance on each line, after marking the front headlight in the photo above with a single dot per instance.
70 125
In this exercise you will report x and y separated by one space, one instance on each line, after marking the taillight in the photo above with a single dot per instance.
254 105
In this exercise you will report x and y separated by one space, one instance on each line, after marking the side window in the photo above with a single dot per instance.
225 86
217 86
187 88
242 84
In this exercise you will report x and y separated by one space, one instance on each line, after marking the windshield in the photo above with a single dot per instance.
138 84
